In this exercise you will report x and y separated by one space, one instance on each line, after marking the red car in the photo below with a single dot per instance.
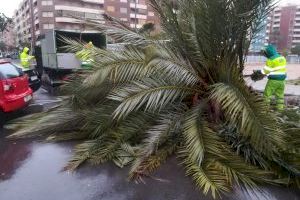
15 92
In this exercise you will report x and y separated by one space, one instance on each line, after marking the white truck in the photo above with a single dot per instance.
55 62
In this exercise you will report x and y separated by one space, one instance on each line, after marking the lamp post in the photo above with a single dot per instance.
33 39
135 15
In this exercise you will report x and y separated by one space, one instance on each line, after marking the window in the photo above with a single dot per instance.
92 16
151 14
123 1
48 26
110 8
47 14
8 70
123 10
47 3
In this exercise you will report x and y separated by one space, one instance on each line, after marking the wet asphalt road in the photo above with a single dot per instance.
33 171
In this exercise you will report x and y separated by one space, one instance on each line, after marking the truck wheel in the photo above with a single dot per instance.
2 118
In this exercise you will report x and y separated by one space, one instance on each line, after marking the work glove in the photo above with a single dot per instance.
257 75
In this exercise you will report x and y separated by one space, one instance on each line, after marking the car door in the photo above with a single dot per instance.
14 80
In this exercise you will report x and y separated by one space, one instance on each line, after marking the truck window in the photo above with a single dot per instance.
8 71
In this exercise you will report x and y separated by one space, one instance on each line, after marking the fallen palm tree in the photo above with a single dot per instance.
183 95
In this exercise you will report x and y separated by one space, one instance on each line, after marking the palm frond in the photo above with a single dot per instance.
55 121
154 94
251 114
207 177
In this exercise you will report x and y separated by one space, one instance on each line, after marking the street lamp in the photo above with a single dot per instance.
135 15
33 39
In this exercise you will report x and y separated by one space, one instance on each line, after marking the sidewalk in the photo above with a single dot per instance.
290 90
293 73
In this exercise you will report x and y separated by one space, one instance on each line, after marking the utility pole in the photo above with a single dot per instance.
135 15
33 38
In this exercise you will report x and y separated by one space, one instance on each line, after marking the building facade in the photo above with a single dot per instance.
260 39
134 13
35 17
284 28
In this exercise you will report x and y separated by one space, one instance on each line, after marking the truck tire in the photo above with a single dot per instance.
2 118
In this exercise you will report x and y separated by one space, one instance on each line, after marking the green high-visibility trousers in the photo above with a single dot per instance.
275 88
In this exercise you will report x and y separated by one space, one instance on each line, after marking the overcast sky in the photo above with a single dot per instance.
8 6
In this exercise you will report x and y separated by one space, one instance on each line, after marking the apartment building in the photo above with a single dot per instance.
135 13
284 27
261 38
35 17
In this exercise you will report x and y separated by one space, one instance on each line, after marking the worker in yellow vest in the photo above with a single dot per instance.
276 71
25 58
85 55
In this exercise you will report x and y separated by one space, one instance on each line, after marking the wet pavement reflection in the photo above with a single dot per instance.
32 171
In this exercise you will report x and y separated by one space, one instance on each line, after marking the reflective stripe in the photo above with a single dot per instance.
277 73
268 68
274 69
85 63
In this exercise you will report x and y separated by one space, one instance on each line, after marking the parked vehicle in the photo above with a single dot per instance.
56 62
15 92
33 79
8 55
14 55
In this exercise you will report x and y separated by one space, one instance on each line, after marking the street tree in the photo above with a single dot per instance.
296 50
4 21
2 46
184 95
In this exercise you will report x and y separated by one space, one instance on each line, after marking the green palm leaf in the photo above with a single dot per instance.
154 94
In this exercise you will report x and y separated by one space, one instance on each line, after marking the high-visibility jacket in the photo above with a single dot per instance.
85 57
25 58
275 67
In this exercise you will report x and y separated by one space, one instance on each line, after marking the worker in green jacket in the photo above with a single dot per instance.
25 58
85 56
276 71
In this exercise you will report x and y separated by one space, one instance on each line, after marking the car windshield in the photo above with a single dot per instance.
8 70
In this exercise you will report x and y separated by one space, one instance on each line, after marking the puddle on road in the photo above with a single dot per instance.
12 155
33 172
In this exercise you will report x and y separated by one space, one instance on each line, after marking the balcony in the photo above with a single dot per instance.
94 1
277 14
67 20
138 16
277 19
139 6
78 9
138 25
